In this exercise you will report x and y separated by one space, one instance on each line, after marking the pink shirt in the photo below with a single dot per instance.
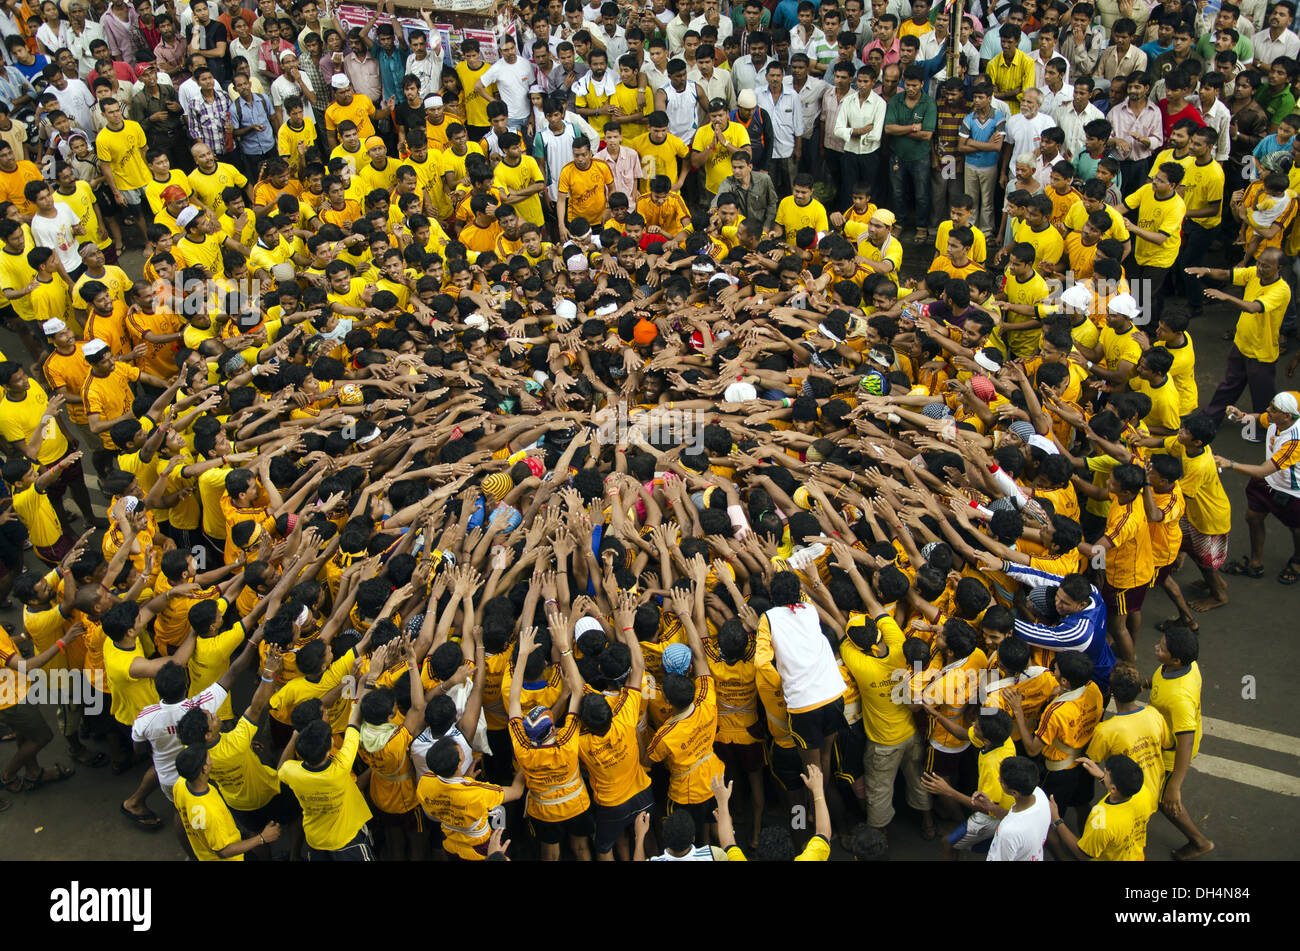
626 171
890 53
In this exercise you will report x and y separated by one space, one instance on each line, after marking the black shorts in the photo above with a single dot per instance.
1262 497
812 728
960 769
786 765
850 748
1071 787
282 808
412 821
701 812
740 757
613 821
581 826
360 849
499 763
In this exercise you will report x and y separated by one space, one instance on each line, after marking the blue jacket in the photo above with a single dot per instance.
1084 631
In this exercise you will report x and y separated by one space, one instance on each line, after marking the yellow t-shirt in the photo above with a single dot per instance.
1117 832
288 140
686 745
1257 334
130 694
1163 215
556 791
891 250
208 186
1208 508
793 217
333 809
16 273
359 110
613 761
1048 243
153 189
82 203
1203 184
517 177
1183 373
123 150
207 820
978 251
586 189
1078 215
378 178
718 164
246 783
1164 402
1143 736
461 805
662 159
37 513
19 419
475 105
1178 698
625 98
886 722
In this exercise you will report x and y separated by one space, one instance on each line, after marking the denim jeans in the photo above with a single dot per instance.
916 176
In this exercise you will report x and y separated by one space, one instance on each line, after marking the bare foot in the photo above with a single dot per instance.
1191 851
928 830
1207 604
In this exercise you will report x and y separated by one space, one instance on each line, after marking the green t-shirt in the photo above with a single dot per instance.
900 113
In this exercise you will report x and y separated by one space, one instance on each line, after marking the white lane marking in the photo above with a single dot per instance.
1251 736
1266 779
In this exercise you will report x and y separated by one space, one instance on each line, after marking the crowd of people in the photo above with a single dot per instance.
690 408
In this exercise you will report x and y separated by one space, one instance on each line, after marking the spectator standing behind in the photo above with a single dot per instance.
1137 132
1011 72
947 165
980 140
208 37
910 119
860 124
785 112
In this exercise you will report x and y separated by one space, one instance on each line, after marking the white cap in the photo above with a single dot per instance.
288 54
536 88
1286 403
984 363
92 347
129 504
53 326
740 392
566 309
703 267
187 215
432 102
576 262
284 272
585 624
340 81
605 310
1124 304
1043 443
478 321
1077 296
747 99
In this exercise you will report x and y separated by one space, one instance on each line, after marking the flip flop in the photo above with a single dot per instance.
147 820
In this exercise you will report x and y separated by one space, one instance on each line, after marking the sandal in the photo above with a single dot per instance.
1164 626
17 784
8 737
61 773
1242 566
88 757
145 820
1289 574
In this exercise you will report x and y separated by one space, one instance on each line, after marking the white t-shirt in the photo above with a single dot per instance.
57 233
1020 835
1023 134
156 725
421 745
512 81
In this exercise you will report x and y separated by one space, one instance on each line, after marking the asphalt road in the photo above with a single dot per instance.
1244 792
